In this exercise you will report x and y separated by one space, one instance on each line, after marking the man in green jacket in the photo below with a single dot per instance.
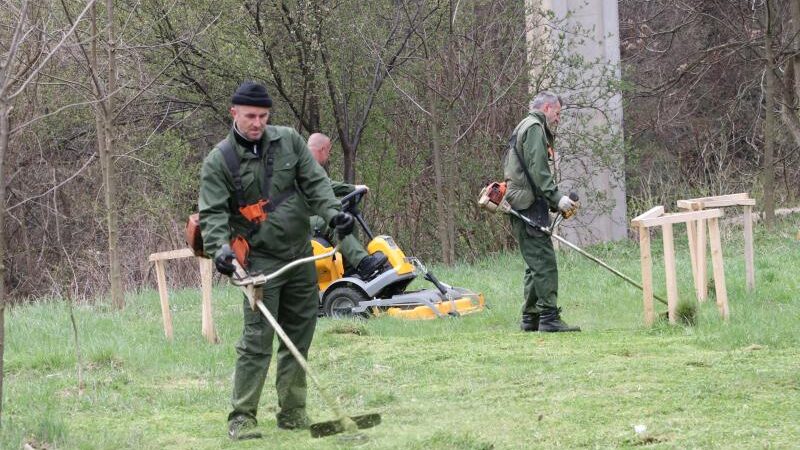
531 190
355 256
276 165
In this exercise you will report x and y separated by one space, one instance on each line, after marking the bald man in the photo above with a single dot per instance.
355 256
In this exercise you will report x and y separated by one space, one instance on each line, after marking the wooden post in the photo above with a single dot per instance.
207 315
647 275
702 264
691 233
669 270
749 267
166 315
719 268
696 253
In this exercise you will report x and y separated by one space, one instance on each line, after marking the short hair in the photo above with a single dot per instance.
545 98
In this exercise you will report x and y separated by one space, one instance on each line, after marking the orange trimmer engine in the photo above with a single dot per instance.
496 192
492 197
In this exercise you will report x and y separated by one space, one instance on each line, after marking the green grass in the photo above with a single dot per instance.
469 383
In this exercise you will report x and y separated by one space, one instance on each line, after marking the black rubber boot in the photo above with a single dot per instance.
242 427
530 322
551 322
371 264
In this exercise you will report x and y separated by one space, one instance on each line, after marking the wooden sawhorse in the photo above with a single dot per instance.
205 283
656 217
697 237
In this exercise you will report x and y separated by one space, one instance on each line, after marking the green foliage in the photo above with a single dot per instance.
474 382
686 312
174 170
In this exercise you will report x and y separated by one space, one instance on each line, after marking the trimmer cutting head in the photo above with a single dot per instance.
331 427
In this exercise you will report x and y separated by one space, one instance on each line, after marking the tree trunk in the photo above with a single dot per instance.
796 37
768 170
451 177
349 157
439 183
5 110
450 166
105 142
313 110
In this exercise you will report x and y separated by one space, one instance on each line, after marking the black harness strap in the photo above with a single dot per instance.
269 164
232 162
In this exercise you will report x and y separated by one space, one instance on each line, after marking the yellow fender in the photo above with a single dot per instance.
329 269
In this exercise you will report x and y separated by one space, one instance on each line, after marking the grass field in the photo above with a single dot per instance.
470 383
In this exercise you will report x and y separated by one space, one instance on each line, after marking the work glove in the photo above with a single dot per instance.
566 204
224 260
343 224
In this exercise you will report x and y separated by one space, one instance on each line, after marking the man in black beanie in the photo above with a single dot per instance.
247 195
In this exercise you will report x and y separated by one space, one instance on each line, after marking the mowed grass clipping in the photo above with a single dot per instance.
471 383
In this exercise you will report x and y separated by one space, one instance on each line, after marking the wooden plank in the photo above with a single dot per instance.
206 279
702 264
647 276
749 267
719 268
689 205
166 315
172 254
655 211
739 196
669 269
728 202
679 217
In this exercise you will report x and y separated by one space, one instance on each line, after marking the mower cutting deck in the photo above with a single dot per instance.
385 292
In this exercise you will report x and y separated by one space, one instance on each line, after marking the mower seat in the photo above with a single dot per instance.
322 241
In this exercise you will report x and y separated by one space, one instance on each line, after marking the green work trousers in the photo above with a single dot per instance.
351 249
293 299
541 273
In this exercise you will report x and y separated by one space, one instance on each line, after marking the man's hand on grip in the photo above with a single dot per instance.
343 223
565 204
223 261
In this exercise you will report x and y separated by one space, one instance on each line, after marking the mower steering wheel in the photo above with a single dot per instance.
350 200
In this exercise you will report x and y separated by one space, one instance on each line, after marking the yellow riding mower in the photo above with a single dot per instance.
385 292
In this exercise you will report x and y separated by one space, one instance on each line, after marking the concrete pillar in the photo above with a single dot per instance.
589 142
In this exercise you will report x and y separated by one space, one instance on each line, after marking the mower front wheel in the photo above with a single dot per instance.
341 301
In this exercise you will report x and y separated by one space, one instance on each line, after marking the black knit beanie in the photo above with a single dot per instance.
251 94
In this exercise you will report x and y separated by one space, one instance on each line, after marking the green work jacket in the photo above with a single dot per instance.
319 226
285 234
340 188
534 139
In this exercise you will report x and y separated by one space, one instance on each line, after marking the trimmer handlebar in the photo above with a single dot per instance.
353 198
350 204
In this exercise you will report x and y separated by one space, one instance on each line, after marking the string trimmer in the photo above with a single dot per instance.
252 288
492 198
